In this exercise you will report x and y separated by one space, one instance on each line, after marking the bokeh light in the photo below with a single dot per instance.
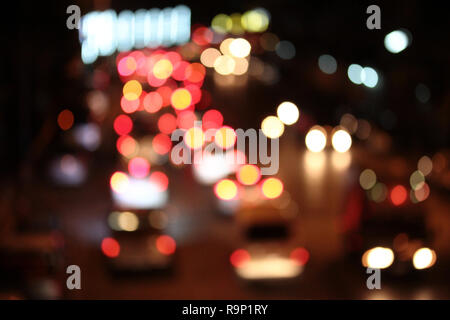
341 140
127 221
396 41
194 138
132 90
240 48
181 99
224 65
425 165
110 247
166 245
288 113
225 137
123 124
417 180
378 258
162 69
424 258
119 182
367 179
272 188
209 56
239 257
248 174
398 195
327 64
65 119
272 127
316 139
226 189
138 167
221 23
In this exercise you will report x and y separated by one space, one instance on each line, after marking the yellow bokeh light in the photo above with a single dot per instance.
209 56
236 28
248 174
288 113
316 139
127 221
119 182
221 23
341 141
225 46
424 258
240 48
272 188
181 99
194 138
132 90
255 20
224 65
226 189
272 127
225 137
378 258
162 69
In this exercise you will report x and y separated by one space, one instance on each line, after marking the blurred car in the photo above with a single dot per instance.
388 234
270 253
138 243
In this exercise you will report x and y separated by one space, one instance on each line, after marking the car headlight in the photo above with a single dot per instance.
378 258
424 258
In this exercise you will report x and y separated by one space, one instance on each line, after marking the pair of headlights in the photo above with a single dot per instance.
381 258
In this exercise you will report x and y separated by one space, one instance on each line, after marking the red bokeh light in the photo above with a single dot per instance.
110 247
152 102
129 106
195 91
186 119
167 123
398 195
239 257
212 119
166 245
179 70
195 72
123 124
300 256
202 36
161 143
160 179
165 92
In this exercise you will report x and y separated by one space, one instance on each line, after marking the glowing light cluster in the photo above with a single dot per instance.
363 75
104 32
256 20
231 59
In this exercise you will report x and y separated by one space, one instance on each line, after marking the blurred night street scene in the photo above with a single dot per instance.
225 150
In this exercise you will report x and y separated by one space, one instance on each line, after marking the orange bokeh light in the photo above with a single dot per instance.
398 195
